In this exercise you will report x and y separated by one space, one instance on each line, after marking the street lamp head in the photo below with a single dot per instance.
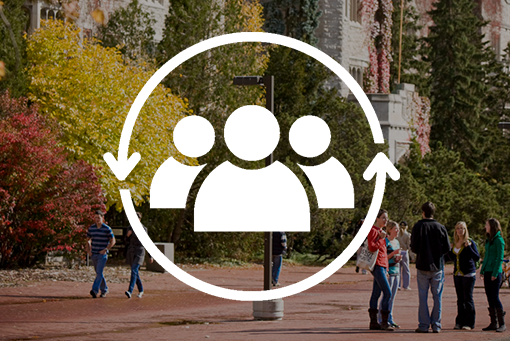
504 125
248 80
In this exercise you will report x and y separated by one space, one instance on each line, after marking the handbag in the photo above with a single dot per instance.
366 259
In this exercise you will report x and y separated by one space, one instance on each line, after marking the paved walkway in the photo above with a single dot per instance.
334 310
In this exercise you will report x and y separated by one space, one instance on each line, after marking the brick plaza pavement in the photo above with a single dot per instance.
333 310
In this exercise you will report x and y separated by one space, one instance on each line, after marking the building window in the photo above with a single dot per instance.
357 74
51 13
355 11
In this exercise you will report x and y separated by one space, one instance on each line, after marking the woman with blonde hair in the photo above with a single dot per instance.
394 257
491 273
464 255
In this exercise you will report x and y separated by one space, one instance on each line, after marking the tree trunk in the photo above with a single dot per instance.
176 233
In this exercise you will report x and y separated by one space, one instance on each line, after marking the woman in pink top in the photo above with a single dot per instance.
377 241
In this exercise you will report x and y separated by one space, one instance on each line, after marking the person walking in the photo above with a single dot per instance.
279 249
404 238
377 242
491 273
135 257
464 255
356 230
430 242
394 258
100 240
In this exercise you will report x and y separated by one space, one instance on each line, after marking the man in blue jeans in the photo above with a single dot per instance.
429 240
100 240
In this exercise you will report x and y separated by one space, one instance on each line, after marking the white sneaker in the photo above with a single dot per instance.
140 294
128 294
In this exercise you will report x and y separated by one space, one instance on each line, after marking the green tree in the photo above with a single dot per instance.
497 148
460 63
300 90
131 30
296 19
206 81
458 192
403 198
13 23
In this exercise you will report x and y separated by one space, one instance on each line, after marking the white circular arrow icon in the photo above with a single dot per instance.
124 165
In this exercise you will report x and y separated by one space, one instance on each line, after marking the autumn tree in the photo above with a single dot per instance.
89 89
46 198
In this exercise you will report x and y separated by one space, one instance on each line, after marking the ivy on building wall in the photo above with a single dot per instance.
420 122
377 20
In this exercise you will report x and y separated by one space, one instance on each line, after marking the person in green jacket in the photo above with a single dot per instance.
491 274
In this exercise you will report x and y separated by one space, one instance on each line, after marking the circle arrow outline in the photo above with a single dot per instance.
257 37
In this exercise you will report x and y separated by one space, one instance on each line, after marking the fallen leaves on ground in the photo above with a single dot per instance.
86 274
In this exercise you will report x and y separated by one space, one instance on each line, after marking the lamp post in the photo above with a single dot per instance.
268 82
265 310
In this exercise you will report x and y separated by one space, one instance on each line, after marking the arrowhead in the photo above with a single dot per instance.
121 168
381 163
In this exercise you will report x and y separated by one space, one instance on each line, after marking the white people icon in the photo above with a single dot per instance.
233 199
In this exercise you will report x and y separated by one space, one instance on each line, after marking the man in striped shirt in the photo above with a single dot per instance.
100 240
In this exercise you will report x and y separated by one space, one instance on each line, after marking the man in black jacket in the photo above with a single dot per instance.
279 249
429 240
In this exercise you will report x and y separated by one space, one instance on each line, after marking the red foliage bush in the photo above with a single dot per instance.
45 197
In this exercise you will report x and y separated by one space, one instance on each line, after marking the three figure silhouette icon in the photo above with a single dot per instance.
269 199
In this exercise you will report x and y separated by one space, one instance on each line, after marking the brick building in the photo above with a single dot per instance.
342 36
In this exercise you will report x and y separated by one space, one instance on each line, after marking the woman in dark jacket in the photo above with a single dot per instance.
491 274
135 257
464 255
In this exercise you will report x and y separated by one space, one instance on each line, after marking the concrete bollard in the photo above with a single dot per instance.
268 310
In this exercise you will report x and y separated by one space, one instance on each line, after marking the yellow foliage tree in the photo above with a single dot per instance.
89 90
